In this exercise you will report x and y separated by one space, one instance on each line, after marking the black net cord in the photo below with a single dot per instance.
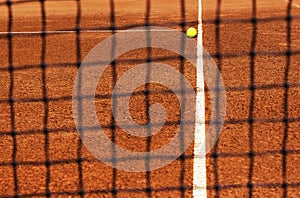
182 92
11 98
78 57
147 100
113 27
219 65
252 100
286 99
45 97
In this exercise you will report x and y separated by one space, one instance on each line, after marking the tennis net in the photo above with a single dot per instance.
255 45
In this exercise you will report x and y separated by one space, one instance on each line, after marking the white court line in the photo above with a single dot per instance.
199 177
82 31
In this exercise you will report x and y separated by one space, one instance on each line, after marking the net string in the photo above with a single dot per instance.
11 100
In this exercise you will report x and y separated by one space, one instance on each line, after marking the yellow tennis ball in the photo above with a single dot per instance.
191 32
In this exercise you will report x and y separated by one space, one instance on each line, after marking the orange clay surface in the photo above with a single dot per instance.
230 170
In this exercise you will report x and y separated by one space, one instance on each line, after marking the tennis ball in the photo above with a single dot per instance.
191 32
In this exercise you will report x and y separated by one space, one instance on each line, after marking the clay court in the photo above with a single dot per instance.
256 50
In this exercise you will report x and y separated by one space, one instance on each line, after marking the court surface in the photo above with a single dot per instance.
248 150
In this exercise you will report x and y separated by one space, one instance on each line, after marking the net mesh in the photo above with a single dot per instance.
255 45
